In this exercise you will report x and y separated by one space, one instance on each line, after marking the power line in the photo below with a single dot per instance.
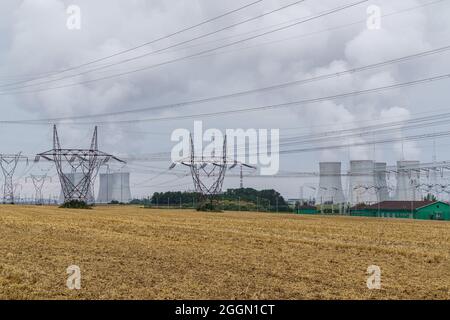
156 51
444 133
221 40
266 107
263 89
301 139
382 128
141 45
325 13
356 144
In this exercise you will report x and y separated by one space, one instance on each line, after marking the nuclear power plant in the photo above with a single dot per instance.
330 183
114 187
381 186
367 182
362 182
407 181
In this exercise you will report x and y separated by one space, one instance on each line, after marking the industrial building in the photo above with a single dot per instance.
330 184
114 187
369 192
381 186
424 210
307 209
367 182
407 181
362 182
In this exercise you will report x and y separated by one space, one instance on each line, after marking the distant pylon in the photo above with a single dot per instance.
84 161
38 182
8 163
241 173
241 179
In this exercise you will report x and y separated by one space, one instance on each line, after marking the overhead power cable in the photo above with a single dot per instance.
303 35
151 52
52 73
372 142
221 40
382 128
304 139
325 13
265 107
424 136
263 89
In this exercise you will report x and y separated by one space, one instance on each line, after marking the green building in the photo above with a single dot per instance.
425 210
435 211
306 209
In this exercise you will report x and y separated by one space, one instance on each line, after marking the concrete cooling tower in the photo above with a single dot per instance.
380 181
75 178
114 187
407 181
330 185
362 182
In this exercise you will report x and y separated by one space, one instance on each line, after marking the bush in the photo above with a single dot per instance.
209 207
75 204
116 202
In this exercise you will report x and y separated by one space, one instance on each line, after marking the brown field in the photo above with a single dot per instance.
136 253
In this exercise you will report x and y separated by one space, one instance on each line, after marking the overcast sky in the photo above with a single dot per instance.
35 40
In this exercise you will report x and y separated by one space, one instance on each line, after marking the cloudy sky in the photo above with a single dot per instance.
49 70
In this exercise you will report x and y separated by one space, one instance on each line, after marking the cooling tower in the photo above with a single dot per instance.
362 182
380 181
407 181
75 178
114 187
330 185
104 190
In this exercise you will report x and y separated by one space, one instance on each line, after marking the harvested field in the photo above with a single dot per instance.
136 253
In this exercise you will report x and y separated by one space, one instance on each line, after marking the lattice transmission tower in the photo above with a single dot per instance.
82 162
8 163
208 173
38 183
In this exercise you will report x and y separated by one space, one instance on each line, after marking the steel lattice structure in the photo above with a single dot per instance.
214 167
208 173
84 161
8 163
38 183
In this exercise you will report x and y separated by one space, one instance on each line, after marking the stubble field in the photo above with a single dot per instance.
136 253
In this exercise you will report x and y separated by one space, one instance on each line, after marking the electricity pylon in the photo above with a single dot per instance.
8 163
38 183
84 162
202 168
208 173
241 174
